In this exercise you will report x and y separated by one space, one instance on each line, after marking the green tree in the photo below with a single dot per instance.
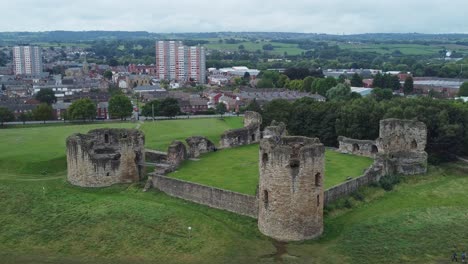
297 85
169 107
221 109
278 109
378 81
107 74
120 106
265 83
25 116
408 86
307 86
356 80
339 92
43 112
393 82
148 109
463 91
382 94
46 96
241 47
342 79
253 106
247 76
6 115
113 62
82 109
283 81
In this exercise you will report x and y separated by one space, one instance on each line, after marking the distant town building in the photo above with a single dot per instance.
27 60
174 61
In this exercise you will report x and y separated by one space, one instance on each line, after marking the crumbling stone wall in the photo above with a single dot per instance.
366 148
402 144
176 153
155 156
372 174
241 136
105 156
252 118
249 134
199 145
217 198
276 129
291 188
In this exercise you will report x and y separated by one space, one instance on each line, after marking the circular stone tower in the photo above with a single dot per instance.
291 188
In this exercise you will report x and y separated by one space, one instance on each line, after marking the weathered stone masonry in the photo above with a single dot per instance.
366 148
105 156
291 188
249 134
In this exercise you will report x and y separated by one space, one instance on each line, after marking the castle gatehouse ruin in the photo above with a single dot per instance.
104 157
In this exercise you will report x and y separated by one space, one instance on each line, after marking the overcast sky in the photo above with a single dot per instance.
311 16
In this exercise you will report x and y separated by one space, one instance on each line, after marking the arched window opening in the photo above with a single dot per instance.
414 144
265 198
264 158
318 179
355 147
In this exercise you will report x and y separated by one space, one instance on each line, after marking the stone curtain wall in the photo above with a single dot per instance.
372 174
366 148
213 197
155 156
249 134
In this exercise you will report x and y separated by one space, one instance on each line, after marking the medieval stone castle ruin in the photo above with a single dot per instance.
105 156
290 204
290 198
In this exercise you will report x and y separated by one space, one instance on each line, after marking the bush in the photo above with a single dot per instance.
348 204
359 196
388 181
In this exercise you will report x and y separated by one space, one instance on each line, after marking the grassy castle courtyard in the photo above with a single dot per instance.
44 219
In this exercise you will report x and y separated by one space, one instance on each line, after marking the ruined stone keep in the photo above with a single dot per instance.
402 144
105 156
366 148
290 191
249 134
199 145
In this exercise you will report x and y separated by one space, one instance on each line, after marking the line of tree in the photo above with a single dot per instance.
166 107
446 120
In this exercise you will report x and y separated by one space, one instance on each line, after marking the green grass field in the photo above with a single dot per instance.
406 49
279 48
160 134
236 169
43 219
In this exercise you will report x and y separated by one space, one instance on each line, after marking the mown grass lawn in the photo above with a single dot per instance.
160 134
43 219
236 169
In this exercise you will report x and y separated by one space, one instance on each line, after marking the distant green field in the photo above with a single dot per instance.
54 44
236 169
406 49
160 134
43 219
279 48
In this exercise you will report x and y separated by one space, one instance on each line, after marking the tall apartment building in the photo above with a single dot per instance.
27 60
174 61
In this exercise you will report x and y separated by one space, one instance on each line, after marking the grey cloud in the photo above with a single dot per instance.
330 16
